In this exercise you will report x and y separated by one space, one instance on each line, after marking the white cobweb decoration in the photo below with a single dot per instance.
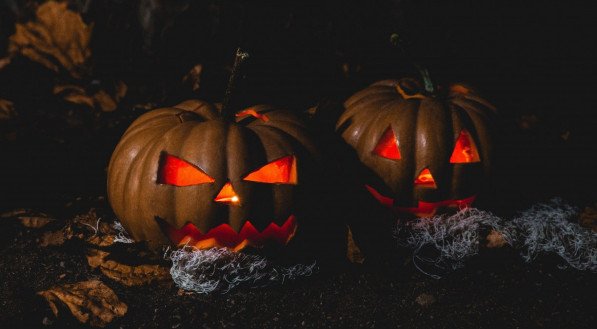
547 228
445 242
219 269
121 236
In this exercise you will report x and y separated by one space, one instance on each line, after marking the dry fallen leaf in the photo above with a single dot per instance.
101 100
55 238
16 213
35 221
104 101
101 240
28 218
7 109
194 77
89 302
495 239
58 39
74 94
126 274
4 62
588 218
353 252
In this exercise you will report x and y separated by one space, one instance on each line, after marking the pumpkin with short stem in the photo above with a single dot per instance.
194 175
427 149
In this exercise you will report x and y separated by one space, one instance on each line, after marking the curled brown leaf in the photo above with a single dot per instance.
35 221
16 213
193 78
7 109
28 218
126 274
90 302
101 100
74 94
4 62
57 39
56 238
353 252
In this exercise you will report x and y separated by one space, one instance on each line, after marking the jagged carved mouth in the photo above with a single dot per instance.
423 208
224 236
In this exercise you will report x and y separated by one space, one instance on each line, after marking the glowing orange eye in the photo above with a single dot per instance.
465 150
387 147
177 172
281 171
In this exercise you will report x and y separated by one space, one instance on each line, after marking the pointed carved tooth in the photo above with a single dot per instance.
241 245
187 239
206 244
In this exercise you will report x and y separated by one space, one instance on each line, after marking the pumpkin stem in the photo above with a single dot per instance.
397 41
227 111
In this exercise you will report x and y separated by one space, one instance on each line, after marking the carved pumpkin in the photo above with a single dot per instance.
426 151
188 175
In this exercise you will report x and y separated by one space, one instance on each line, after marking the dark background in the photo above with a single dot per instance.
533 59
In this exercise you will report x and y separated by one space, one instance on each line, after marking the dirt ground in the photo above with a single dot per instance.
494 289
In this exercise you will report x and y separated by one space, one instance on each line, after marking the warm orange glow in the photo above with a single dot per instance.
465 150
423 208
224 236
428 209
281 171
459 89
387 147
384 200
253 113
175 171
227 195
425 179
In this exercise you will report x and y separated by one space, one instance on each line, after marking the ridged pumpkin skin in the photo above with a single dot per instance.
226 151
426 129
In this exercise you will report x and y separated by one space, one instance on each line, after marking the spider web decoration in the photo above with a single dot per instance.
443 243
219 269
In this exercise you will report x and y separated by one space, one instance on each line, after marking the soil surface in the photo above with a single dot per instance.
494 289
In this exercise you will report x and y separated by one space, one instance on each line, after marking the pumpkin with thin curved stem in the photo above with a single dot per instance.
426 150
187 175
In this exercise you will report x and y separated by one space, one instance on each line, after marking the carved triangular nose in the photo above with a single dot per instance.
227 195
425 179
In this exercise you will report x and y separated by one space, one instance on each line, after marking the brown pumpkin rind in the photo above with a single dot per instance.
226 151
426 129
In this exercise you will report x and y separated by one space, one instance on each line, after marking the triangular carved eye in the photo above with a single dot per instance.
177 172
281 171
425 179
387 147
465 150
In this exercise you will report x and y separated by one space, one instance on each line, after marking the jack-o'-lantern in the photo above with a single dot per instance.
194 175
427 149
